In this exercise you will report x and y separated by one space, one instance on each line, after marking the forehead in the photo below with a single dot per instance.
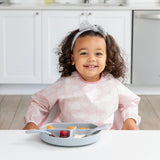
90 41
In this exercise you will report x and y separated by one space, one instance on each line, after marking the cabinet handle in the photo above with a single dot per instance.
83 17
149 16
37 13
90 17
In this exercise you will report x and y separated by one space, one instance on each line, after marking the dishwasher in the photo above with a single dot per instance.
146 48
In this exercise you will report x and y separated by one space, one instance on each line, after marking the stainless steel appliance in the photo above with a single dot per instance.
146 48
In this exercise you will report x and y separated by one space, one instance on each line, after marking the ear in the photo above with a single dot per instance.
72 59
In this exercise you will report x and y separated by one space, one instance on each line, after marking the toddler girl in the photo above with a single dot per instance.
89 89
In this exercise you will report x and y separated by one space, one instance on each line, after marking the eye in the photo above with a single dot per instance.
99 54
83 53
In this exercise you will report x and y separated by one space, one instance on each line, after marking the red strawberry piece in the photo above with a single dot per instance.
52 135
63 133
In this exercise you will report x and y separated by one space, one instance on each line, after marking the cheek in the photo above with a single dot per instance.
103 61
79 60
79 64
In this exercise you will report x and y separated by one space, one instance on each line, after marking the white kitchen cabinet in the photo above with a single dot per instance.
118 24
57 24
30 38
20 47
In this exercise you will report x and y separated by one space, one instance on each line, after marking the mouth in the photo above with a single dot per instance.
90 66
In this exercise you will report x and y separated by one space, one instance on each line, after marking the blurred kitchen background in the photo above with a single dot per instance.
30 31
78 1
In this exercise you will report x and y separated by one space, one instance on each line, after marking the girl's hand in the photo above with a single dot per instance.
130 124
30 125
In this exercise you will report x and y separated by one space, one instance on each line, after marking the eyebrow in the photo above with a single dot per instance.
99 49
87 49
82 49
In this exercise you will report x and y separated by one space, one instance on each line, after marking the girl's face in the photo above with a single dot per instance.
89 57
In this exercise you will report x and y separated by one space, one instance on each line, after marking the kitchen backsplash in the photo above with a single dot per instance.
80 1
141 1
25 1
56 1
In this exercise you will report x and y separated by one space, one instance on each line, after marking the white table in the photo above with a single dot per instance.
126 145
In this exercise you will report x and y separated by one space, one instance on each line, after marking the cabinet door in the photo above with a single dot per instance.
56 26
20 49
118 24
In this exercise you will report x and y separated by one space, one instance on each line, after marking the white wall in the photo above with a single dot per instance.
25 1
141 1
76 1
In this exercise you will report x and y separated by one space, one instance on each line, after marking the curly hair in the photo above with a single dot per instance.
115 64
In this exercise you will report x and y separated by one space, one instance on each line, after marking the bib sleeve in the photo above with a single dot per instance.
128 103
40 105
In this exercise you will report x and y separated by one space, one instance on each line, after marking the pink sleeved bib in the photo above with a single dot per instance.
81 101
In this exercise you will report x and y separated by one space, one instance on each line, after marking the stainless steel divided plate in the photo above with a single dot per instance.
70 140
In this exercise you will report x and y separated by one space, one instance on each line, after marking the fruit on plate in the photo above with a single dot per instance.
63 133
83 128
52 135
71 127
49 127
79 136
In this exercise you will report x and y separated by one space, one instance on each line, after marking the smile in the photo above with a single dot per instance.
90 66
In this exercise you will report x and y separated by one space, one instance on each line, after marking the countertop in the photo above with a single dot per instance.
117 145
99 6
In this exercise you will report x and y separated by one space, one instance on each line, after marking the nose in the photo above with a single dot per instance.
91 58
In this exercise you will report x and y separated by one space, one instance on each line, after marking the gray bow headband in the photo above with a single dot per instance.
85 26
